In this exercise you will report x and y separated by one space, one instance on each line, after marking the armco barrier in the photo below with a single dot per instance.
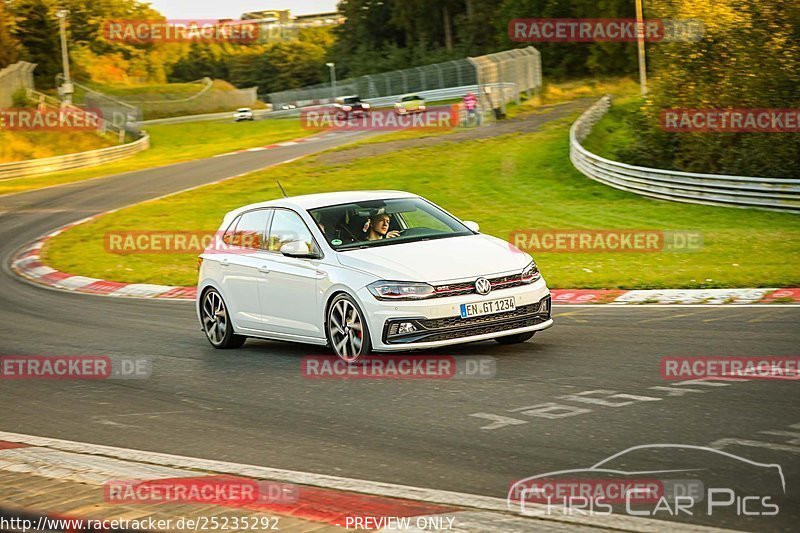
711 189
35 167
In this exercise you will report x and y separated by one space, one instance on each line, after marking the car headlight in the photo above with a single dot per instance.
400 290
530 273
365 105
347 108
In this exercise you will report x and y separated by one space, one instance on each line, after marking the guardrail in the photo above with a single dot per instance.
710 189
35 167
106 126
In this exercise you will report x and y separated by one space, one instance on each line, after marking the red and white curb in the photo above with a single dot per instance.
321 498
28 263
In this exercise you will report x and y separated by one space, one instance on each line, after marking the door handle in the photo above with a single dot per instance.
224 263
264 269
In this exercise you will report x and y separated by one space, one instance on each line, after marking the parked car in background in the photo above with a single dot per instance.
410 103
349 106
243 113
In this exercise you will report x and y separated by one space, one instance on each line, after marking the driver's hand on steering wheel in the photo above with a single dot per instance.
393 233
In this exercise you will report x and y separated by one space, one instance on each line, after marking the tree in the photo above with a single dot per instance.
9 46
747 58
202 60
37 34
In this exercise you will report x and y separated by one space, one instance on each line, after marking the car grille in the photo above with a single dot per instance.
481 330
438 329
459 289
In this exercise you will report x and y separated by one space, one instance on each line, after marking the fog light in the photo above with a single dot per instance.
406 327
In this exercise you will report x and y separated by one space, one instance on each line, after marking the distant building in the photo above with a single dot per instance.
319 19
279 16
280 25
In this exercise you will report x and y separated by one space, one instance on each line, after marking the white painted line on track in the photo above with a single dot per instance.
377 488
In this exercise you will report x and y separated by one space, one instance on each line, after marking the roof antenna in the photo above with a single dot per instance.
281 186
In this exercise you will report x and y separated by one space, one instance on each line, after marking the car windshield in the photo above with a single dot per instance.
352 100
385 222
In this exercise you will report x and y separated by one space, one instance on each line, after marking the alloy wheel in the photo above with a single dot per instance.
215 317
346 330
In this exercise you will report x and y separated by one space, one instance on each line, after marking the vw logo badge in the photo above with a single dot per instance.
482 286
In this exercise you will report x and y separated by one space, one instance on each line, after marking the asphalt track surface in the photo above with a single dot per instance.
253 405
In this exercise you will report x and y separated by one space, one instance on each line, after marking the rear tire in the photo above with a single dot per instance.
515 339
348 334
216 322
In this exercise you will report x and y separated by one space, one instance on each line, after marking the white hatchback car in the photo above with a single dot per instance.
243 113
365 271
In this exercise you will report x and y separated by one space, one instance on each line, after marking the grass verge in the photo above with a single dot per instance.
613 133
23 145
173 143
506 183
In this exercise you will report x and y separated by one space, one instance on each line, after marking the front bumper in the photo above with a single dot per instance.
438 321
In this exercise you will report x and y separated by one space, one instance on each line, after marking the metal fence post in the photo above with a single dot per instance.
499 77
441 75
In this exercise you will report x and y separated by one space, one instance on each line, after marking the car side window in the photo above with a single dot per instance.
227 237
250 229
287 226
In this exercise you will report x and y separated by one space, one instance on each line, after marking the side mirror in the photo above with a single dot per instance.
298 249
472 225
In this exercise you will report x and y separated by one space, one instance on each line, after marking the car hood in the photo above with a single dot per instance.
437 259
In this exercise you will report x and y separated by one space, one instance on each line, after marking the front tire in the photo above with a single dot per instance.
515 339
216 322
347 330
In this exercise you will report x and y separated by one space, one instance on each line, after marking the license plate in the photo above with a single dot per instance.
487 308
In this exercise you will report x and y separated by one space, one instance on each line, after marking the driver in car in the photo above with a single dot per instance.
377 227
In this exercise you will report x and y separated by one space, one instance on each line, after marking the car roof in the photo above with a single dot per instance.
312 201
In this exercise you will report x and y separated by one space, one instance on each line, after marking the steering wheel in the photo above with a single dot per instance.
411 232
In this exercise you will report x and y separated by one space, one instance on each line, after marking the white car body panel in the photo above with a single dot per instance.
438 260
